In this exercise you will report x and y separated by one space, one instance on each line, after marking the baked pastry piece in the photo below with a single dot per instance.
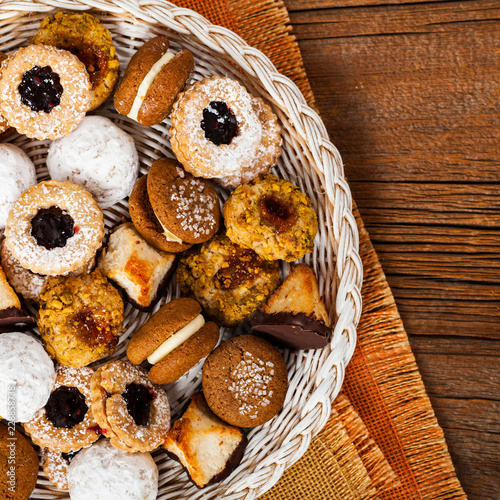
221 131
98 156
17 173
4 126
25 365
228 281
55 465
44 91
54 228
132 411
208 448
66 423
17 486
83 35
295 315
245 381
272 217
139 269
80 318
103 472
173 340
152 80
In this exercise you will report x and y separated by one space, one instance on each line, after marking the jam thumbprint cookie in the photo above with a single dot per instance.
272 217
44 91
84 36
80 318
132 411
54 228
55 465
66 423
221 131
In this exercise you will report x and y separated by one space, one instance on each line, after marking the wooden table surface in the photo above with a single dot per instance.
409 91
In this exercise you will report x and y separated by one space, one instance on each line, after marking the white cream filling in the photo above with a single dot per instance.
147 82
170 236
177 339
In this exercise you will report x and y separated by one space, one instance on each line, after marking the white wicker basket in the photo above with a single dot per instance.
309 160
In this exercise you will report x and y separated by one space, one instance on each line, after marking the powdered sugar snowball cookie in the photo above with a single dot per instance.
99 156
27 376
103 472
17 173
221 131
44 92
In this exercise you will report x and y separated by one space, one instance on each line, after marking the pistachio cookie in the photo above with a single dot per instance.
228 281
272 217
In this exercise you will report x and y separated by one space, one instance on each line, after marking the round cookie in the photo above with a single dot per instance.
152 80
26 374
4 126
84 35
186 207
146 222
173 340
17 173
54 228
55 465
103 472
44 91
18 465
98 156
245 381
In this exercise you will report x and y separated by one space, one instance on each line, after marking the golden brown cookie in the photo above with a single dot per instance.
245 381
66 423
18 465
84 36
132 411
55 465
80 318
146 222
228 281
44 91
152 80
173 340
4 126
186 207
272 217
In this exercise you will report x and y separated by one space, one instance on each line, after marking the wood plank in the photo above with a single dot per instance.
422 345
305 5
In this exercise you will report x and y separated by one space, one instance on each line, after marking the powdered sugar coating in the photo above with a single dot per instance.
254 149
98 156
56 468
75 98
79 248
27 370
103 472
17 173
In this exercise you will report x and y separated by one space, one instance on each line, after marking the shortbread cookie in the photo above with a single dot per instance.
55 465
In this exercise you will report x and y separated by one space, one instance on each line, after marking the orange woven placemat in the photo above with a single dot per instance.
382 440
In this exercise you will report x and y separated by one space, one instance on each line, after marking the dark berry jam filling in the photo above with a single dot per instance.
69 456
66 407
52 227
138 399
40 89
219 123
277 213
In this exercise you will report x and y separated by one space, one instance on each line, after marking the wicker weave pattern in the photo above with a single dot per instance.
309 160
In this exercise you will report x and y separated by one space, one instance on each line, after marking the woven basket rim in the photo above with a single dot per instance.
312 131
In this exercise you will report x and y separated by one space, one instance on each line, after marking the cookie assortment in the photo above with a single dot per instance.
96 420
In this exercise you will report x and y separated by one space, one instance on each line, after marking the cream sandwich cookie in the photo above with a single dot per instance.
152 81
173 340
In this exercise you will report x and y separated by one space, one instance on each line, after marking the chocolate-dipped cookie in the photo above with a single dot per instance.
295 316
245 381
152 81
173 340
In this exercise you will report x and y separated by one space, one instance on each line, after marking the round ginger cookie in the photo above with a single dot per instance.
186 206
245 381
18 478
146 222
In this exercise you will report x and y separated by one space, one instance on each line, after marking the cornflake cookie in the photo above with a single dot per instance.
245 381
221 132
44 91
228 281
132 411
272 217
66 423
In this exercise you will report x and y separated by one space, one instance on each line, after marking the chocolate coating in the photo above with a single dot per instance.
13 318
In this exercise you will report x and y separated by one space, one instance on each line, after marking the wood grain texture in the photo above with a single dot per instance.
409 92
